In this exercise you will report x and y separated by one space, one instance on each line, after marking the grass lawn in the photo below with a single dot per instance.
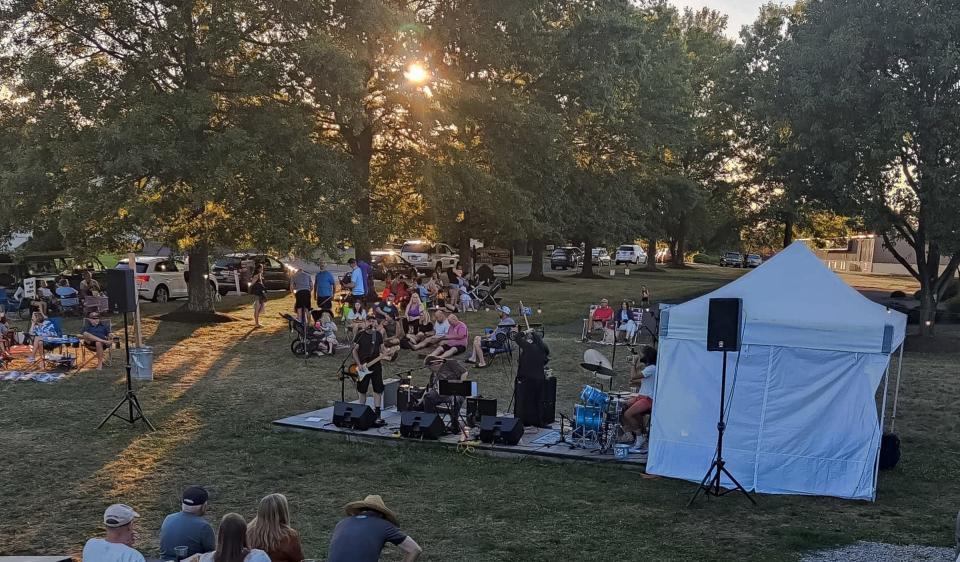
217 388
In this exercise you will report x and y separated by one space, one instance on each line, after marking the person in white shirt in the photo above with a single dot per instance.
232 543
121 535
642 403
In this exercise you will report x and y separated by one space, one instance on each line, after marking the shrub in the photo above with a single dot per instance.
707 259
898 295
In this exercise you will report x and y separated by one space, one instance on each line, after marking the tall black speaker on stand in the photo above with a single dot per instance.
122 298
723 334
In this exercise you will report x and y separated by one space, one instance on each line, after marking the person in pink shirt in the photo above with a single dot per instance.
455 342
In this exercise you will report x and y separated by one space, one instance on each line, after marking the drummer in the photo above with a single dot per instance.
644 371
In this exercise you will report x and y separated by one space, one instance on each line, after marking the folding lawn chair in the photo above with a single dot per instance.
88 350
597 326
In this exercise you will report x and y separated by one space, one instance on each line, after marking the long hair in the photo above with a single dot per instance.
271 525
231 539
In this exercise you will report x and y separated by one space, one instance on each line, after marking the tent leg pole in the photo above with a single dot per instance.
896 392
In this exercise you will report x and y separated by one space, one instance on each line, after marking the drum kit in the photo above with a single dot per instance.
597 418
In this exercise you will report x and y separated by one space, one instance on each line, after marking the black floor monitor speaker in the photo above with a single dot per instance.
121 291
889 451
548 411
421 425
496 429
723 325
353 415
478 408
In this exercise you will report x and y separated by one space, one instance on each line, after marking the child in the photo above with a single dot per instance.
356 319
466 301
328 340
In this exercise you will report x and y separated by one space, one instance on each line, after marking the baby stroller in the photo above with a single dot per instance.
304 342
486 295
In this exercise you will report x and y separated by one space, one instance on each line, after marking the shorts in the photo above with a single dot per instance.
302 299
325 303
375 377
642 405
459 348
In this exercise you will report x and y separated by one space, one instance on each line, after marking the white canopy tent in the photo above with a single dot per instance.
801 392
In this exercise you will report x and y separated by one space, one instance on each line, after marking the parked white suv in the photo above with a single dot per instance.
161 278
428 256
630 253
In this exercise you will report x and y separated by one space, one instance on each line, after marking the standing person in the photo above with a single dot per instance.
358 284
367 346
232 543
644 296
369 526
121 535
453 287
642 403
188 527
325 286
270 531
300 285
455 341
259 291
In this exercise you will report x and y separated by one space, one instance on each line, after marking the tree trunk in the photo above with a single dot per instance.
199 298
652 254
787 231
928 308
536 255
466 253
677 258
361 149
587 270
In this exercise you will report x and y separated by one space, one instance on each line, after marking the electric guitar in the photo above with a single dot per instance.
359 371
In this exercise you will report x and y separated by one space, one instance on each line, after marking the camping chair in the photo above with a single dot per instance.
502 354
88 350
70 305
486 295
99 304
597 326
4 299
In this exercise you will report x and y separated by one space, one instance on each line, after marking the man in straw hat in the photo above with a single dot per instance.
369 526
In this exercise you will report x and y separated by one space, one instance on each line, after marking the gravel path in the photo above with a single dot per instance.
880 552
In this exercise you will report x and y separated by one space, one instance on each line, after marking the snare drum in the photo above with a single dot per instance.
587 418
594 397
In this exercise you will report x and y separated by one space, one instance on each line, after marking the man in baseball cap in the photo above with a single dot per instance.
188 527
118 545
495 340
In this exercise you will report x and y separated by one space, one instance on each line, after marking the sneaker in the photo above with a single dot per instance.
379 422
641 450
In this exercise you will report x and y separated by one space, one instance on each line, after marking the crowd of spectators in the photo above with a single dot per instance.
360 536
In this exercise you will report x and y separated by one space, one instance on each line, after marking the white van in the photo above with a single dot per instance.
630 253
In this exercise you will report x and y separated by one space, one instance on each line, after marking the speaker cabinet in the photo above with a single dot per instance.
496 429
478 408
548 410
723 325
353 416
121 291
421 425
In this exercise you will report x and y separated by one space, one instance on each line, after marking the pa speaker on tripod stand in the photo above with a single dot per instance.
723 334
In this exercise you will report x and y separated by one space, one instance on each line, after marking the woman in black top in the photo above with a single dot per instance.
259 292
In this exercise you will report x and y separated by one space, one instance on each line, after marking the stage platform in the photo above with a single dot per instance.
536 442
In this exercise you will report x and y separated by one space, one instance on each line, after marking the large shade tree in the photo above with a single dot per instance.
874 100
167 120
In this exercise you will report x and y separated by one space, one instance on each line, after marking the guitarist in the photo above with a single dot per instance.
367 346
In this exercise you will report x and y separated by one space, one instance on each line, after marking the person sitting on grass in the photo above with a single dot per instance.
41 328
440 328
412 313
419 331
121 536
490 343
232 543
642 371
368 527
356 318
96 335
599 316
328 333
270 531
187 527
455 341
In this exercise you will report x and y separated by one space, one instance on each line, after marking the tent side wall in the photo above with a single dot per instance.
800 421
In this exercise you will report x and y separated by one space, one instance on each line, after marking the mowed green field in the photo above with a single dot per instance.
218 388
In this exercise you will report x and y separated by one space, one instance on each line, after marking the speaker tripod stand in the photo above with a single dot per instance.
134 411
710 485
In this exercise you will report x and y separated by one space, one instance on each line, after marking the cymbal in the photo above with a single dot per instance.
599 369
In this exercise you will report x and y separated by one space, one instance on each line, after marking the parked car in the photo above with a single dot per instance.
429 256
630 253
599 256
276 276
47 266
731 259
390 261
753 260
567 257
161 278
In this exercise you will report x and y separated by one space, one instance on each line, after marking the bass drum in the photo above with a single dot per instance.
587 418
